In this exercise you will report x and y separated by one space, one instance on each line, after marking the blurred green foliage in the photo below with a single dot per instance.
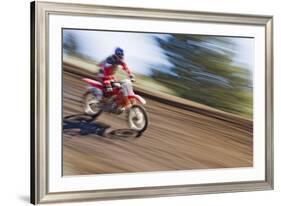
202 69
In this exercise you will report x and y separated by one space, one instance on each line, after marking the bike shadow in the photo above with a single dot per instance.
83 124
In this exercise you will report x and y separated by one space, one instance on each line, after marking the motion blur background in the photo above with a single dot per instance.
212 70
210 75
15 171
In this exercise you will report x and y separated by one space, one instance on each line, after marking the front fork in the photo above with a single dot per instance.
127 102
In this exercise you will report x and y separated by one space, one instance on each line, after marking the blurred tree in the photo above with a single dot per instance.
203 71
70 44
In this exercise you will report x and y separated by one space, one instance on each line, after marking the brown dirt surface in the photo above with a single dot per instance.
176 139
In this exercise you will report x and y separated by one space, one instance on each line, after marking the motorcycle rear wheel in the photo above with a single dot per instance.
91 104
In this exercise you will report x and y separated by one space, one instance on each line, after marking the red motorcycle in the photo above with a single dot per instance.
96 101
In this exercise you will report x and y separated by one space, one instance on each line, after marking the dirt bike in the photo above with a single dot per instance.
96 101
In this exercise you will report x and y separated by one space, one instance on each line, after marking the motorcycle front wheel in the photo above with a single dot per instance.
137 118
91 104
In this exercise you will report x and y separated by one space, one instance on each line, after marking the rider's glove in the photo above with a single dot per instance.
132 77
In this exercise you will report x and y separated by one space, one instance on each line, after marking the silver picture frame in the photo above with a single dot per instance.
40 12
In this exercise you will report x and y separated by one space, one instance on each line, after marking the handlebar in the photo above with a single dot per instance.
133 80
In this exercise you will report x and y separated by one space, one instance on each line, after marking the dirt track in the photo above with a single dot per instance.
176 139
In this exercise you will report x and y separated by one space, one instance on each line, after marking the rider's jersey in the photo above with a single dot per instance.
109 66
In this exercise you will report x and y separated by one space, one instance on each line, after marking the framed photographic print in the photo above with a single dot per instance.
132 102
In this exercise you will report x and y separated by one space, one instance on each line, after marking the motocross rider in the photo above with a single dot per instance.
109 67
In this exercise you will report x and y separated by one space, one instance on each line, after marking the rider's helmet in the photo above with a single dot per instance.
119 52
